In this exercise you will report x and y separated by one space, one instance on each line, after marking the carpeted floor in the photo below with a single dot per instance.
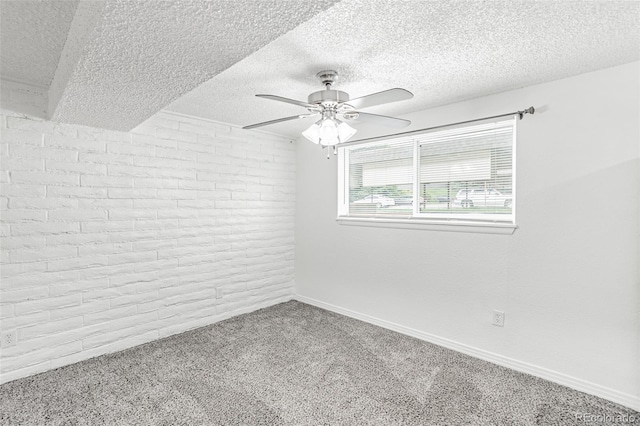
294 364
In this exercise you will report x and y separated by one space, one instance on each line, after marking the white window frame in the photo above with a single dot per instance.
482 223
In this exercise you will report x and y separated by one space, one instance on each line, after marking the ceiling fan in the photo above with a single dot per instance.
335 108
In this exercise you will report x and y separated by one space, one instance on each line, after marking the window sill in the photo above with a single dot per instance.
503 228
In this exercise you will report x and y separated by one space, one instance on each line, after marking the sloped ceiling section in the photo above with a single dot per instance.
125 60
33 34
144 54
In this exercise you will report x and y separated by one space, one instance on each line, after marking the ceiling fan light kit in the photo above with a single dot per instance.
329 132
335 107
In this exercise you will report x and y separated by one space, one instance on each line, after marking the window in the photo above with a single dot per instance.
462 176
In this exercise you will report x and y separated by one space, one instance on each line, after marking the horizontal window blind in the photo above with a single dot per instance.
463 173
381 179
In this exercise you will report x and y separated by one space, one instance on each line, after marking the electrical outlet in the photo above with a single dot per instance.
498 318
9 338
219 293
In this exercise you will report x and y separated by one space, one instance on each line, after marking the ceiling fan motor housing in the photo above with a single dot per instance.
328 97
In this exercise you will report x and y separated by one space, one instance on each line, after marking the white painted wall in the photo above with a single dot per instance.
113 239
567 279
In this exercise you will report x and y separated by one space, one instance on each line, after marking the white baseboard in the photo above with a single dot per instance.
613 395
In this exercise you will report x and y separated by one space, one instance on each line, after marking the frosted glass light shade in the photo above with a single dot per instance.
329 132
312 133
345 132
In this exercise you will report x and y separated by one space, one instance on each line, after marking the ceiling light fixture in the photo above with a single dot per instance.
330 104
329 131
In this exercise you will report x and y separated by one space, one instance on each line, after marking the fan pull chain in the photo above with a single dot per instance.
335 151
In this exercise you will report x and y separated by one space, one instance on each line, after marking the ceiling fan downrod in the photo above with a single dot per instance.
327 77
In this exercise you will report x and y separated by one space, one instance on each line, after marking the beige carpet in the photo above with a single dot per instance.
294 364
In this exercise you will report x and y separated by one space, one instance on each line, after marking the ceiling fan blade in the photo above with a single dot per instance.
383 120
287 100
384 97
279 120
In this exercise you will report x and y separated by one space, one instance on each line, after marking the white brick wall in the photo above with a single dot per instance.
113 239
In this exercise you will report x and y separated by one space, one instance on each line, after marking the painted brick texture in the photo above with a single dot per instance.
113 239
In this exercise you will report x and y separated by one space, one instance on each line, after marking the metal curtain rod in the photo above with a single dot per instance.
520 114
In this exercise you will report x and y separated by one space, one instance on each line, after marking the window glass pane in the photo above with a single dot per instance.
381 180
467 173
464 173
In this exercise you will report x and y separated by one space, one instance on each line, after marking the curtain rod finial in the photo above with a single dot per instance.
529 110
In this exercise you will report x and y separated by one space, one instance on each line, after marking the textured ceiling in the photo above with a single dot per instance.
124 60
32 36
442 51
